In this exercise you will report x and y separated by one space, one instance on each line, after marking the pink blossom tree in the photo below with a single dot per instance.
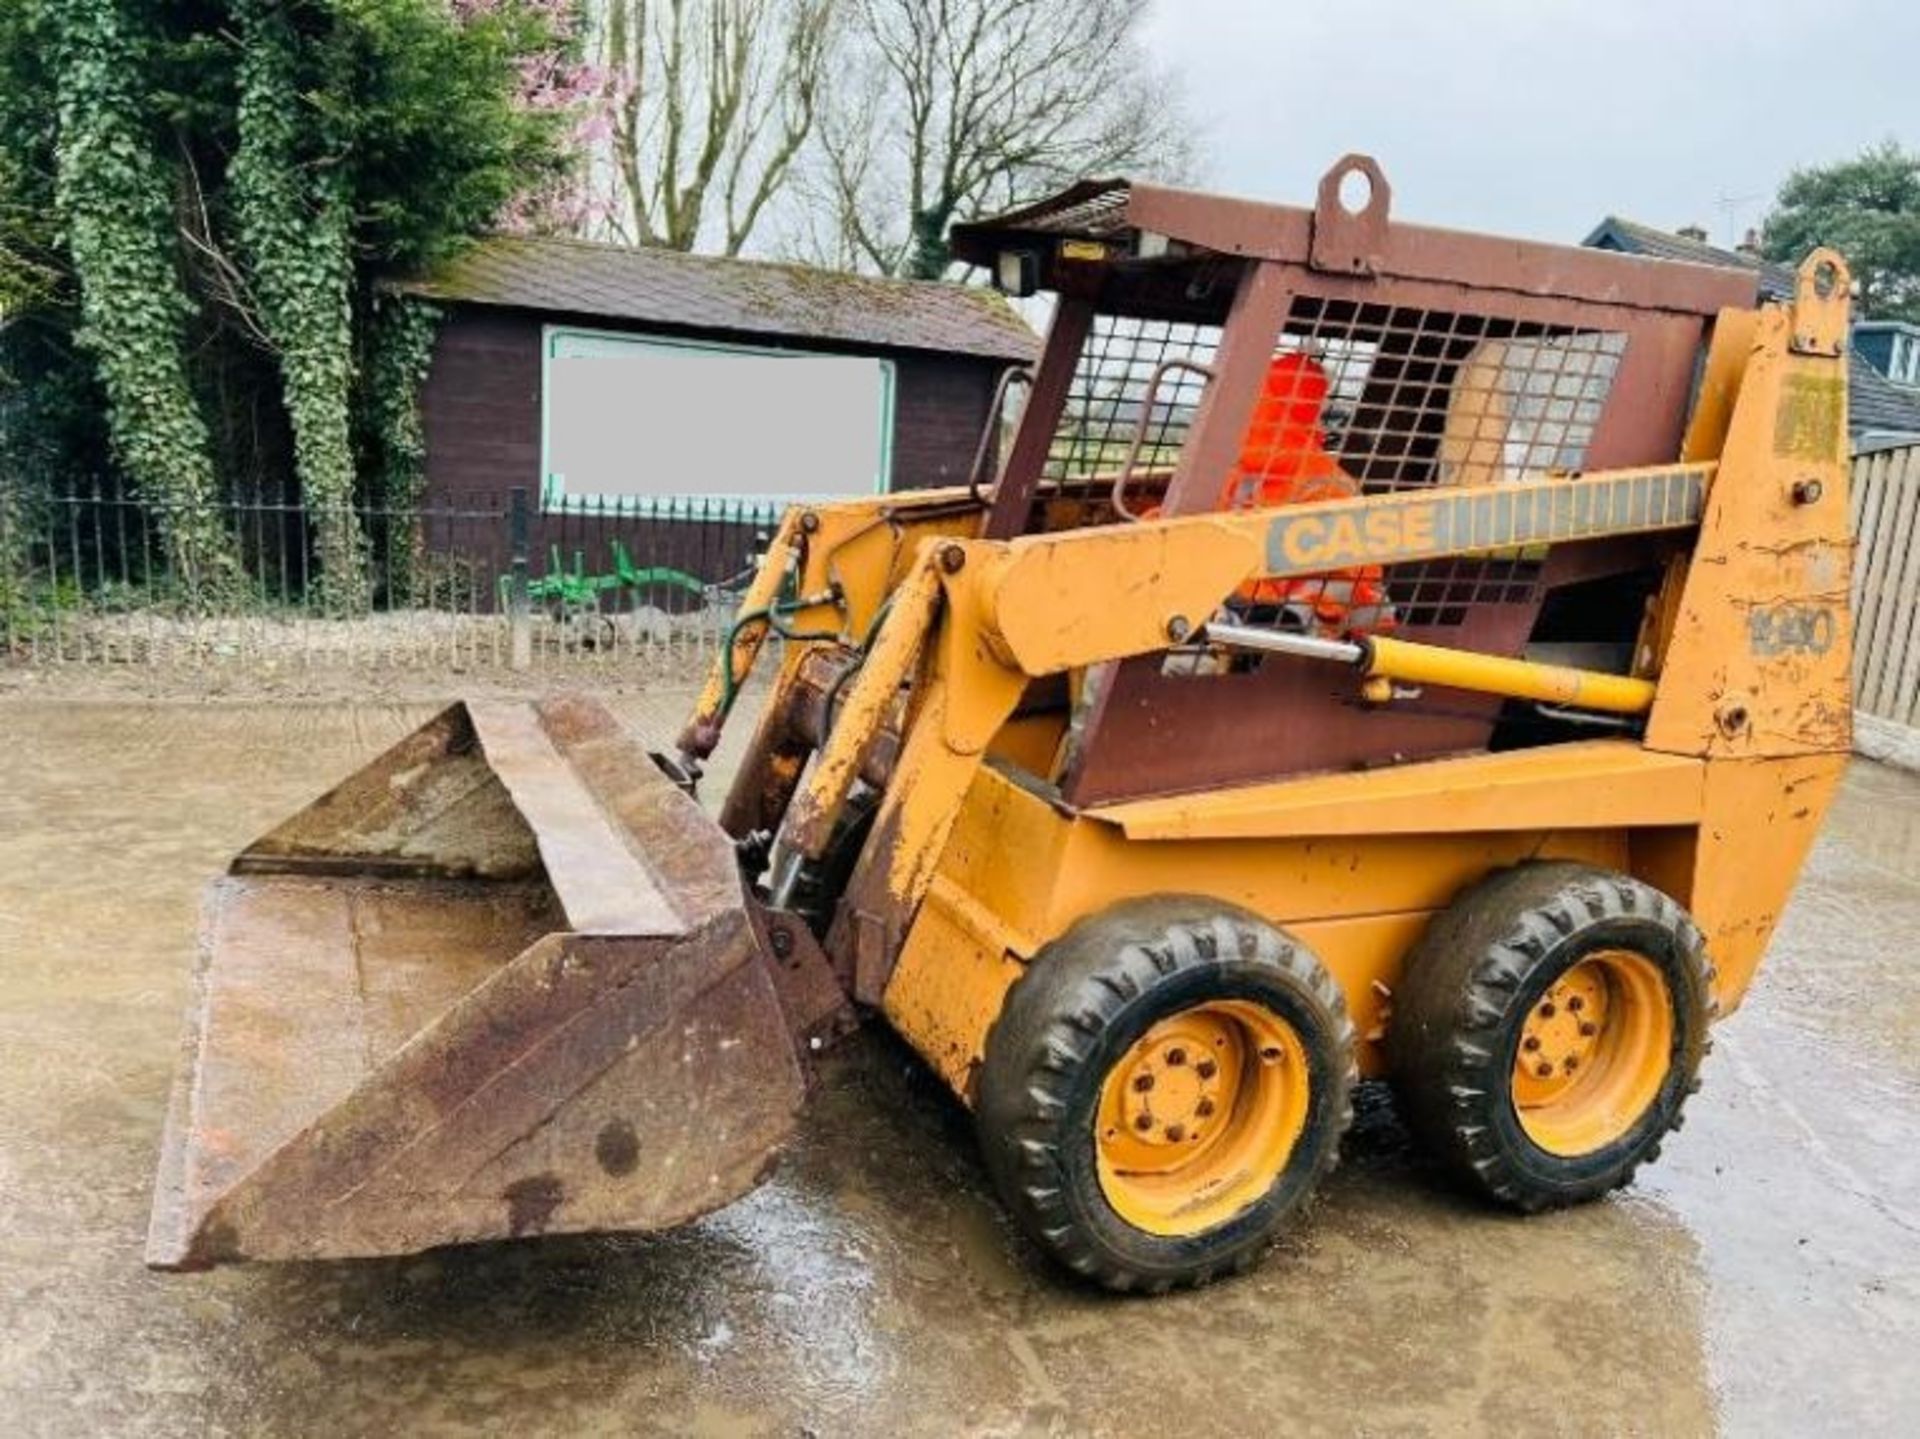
556 80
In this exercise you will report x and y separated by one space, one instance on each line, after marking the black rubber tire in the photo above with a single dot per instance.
1077 1010
1468 987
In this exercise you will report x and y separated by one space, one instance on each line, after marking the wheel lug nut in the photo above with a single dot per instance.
1572 1064
1273 1054
1544 1070
1206 1069
1588 1028
1143 1123
1530 1043
1176 1132
1576 1004
1142 1083
1203 1108
1176 1056
1546 1010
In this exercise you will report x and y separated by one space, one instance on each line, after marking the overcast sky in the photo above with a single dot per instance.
1537 117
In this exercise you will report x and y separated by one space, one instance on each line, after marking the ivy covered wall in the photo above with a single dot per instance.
196 202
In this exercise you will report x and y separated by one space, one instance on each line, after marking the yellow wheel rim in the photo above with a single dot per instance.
1199 1117
1593 1053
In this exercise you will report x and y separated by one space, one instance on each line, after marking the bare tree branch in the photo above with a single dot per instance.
985 102
971 105
715 102
221 274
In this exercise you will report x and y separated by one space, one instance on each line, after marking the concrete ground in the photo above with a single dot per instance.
1764 1277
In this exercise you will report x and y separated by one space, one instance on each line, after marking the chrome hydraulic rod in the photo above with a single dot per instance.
1390 659
1247 637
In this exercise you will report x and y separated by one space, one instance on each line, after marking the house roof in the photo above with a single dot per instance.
750 297
1875 405
1633 238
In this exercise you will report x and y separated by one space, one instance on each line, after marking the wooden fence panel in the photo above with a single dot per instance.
1886 513
1874 518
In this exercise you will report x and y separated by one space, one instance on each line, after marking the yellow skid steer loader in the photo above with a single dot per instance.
1372 651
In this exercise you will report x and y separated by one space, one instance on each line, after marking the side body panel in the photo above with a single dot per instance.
1356 881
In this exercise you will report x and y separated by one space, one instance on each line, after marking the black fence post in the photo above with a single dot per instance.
14 581
519 609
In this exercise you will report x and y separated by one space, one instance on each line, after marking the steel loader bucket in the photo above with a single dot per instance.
502 981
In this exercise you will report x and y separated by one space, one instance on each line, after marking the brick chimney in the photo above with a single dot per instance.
1696 233
1750 245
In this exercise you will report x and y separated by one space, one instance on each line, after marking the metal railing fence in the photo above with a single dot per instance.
487 580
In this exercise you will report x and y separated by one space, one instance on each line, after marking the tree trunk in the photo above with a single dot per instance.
930 256
116 196
293 222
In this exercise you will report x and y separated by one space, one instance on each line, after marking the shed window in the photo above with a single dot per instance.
638 422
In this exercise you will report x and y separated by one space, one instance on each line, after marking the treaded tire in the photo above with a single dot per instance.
1080 1006
817 896
1469 986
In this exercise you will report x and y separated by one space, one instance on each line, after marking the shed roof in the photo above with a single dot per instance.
750 297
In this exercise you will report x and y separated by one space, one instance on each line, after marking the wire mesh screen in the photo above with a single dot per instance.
1135 379
1372 398
1420 397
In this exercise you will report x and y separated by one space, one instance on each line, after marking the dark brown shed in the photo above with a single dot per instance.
511 304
